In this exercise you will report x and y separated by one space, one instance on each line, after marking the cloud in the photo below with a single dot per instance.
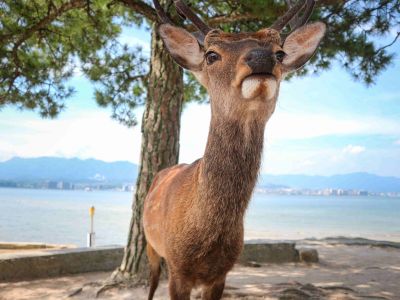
354 149
307 163
92 134
194 132
330 161
89 134
285 125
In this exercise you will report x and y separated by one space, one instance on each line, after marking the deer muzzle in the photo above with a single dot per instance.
261 61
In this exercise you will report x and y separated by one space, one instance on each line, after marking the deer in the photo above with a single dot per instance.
193 215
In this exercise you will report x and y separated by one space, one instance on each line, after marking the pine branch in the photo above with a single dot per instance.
388 45
142 8
51 16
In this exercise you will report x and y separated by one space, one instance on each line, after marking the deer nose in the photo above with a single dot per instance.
260 60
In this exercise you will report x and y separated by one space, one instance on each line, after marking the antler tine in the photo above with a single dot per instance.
300 21
285 19
295 19
185 10
161 13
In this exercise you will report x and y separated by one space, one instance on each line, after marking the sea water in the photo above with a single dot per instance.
62 217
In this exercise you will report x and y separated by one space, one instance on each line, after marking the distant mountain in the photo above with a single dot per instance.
355 181
74 170
91 170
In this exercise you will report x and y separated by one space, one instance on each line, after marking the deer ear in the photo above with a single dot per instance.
300 45
182 46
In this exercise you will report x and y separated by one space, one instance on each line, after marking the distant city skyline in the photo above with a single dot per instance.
74 173
322 125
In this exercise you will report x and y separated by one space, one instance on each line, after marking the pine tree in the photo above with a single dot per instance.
42 42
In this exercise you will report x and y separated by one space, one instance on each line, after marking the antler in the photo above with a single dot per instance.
183 11
160 12
300 21
292 18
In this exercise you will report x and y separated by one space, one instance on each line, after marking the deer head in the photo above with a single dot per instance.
242 72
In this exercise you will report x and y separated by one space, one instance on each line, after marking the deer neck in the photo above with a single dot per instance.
231 163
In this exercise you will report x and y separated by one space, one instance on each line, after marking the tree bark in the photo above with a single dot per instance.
159 150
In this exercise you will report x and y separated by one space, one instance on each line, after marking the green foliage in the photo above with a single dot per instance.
43 42
120 76
37 61
355 31
193 91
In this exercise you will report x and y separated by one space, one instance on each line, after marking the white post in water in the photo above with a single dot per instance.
91 234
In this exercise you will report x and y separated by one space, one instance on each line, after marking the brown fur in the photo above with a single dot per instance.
193 214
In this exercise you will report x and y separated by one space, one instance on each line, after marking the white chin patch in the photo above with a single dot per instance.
258 86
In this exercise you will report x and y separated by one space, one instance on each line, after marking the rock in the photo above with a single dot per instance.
308 255
251 264
269 253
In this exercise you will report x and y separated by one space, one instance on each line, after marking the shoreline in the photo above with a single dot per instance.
295 236
28 248
306 192
330 240
334 240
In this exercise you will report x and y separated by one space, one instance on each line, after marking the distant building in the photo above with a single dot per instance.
128 188
62 185
52 185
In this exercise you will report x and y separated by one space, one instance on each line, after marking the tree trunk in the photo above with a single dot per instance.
159 150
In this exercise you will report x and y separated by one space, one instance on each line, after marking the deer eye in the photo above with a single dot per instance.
280 55
212 57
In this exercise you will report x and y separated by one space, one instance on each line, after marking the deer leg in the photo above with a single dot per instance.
179 289
213 292
155 269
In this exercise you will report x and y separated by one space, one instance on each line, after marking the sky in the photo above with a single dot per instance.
323 125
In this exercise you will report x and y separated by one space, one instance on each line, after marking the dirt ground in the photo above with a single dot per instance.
344 272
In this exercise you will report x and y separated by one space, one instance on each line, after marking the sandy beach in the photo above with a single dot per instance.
346 271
